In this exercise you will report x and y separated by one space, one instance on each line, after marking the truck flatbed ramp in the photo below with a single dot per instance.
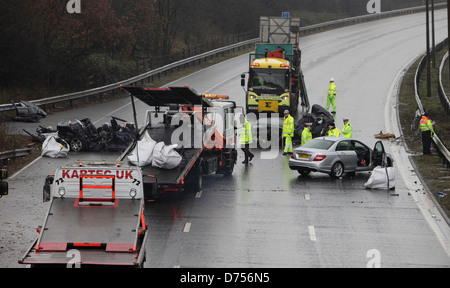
89 228
101 229
167 96
201 128
159 132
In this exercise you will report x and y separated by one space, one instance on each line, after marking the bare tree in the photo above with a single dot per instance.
168 10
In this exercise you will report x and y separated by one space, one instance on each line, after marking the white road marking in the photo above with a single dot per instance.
312 233
111 113
187 227
21 170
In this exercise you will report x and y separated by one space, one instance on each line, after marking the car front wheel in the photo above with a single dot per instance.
76 145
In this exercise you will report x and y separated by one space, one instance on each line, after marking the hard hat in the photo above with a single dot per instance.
332 80
286 111
308 124
345 119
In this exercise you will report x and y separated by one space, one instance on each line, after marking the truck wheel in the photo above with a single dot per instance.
198 182
233 157
230 170
198 175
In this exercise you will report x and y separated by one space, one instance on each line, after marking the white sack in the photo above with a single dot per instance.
165 157
54 147
142 153
378 179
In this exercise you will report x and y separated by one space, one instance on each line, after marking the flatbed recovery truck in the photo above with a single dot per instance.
203 127
96 218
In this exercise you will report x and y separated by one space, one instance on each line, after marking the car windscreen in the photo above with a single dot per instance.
319 144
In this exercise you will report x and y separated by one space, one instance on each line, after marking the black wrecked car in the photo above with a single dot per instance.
83 135
28 112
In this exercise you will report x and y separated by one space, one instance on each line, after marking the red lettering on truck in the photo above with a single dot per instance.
120 174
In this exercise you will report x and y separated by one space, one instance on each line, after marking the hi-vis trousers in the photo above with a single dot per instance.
288 144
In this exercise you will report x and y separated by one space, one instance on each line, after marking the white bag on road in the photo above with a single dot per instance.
142 154
380 180
165 156
54 147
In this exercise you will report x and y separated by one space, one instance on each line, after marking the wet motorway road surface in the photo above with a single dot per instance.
253 219
264 214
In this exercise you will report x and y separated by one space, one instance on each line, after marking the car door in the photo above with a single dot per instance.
347 154
363 156
378 155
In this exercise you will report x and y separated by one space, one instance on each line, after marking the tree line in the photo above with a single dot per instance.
43 45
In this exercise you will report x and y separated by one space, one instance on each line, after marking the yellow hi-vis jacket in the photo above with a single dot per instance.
347 130
334 132
332 89
246 133
306 136
288 126
426 125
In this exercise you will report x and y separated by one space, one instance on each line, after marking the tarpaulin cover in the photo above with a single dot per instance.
165 156
142 154
379 179
54 147
160 155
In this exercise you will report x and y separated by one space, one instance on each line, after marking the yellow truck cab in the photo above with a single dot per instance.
269 85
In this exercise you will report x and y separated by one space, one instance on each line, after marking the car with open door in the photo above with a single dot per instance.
337 155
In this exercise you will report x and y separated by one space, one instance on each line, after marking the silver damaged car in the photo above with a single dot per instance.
337 155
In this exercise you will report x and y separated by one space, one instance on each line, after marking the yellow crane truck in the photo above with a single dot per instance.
275 79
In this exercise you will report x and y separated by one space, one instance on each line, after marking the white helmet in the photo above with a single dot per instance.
332 80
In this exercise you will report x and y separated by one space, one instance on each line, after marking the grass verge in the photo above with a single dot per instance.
431 168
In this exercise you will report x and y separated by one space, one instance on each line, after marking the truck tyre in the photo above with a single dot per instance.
198 175
233 156
198 182
230 170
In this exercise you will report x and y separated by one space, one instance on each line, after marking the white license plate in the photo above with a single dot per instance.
303 156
